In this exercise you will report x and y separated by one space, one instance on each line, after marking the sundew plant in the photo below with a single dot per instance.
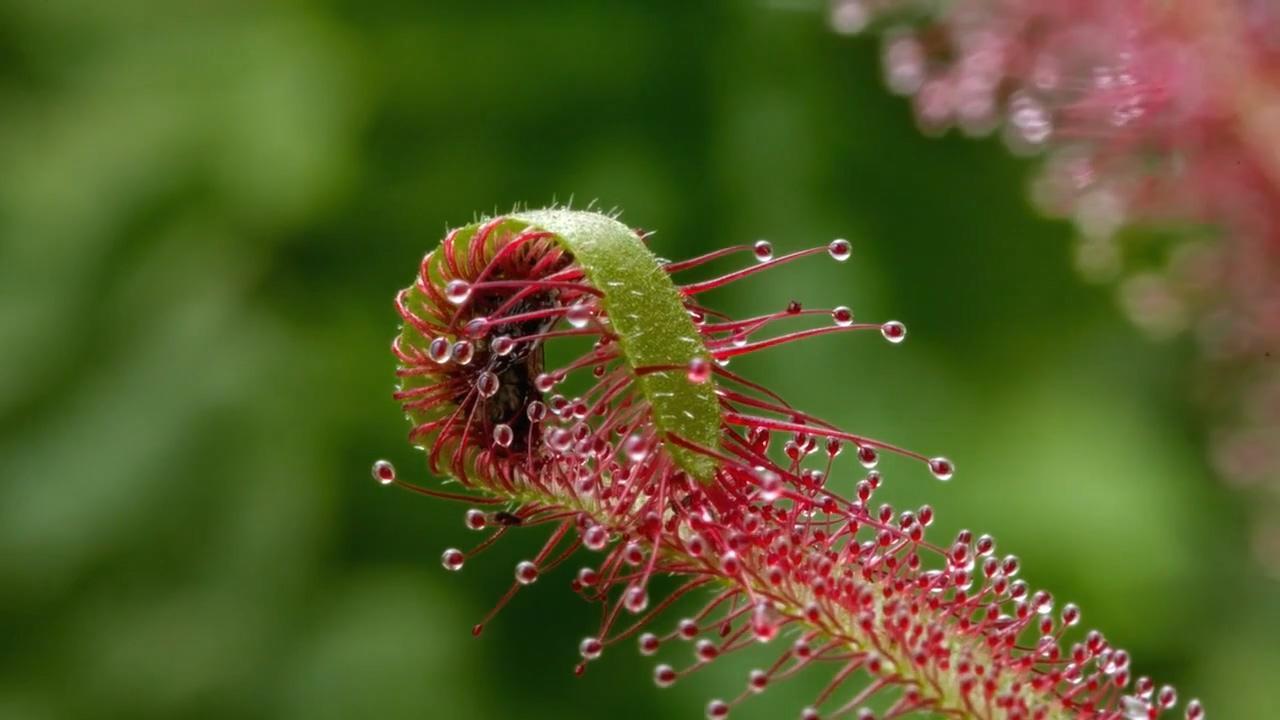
646 456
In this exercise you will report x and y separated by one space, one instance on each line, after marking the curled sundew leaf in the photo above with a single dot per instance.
671 464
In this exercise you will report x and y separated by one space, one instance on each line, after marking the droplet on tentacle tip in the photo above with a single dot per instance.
636 448
544 382
440 350
800 649
526 572
632 554
868 456
664 676
699 370
942 468
894 331
560 440
502 345
649 644
452 559
1070 614
536 411
487 384
590 648
842 316
705 650
476 327
384 472
636 599
579 315
503 435
463 351
730 563
764 622
457 291
763 250
595 538
476 519
840 249
717 710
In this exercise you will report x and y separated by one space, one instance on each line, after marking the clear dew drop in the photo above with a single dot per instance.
894 331
560 440
477 327
635 600
632 554
536 411
579 315
502 345
1070 614
705 650
840 249
457 291
699 370
595 538
590 648
503 435
487 384
384 472
730 563
942 468
764 622
476 519
526 572
636 448
649 644
463 351
842 316
763 250
440 350
452 559
868 456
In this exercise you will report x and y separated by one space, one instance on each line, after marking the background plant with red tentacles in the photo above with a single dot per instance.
1160 123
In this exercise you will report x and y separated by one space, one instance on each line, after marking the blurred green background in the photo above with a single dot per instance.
206 207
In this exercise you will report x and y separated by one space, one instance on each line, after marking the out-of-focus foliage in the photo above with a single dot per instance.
205 209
